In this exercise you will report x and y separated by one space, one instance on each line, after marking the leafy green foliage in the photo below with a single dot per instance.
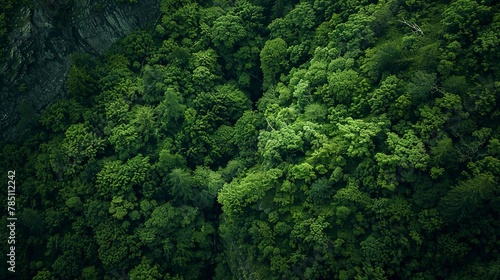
463 200
270 140
273 60
117 178
227 31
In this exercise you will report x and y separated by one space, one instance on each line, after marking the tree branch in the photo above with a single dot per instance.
413 26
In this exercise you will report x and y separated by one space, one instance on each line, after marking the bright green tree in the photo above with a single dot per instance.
273 59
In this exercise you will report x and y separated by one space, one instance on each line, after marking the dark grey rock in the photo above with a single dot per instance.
45 36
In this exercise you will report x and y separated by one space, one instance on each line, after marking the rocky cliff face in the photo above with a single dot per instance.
45 36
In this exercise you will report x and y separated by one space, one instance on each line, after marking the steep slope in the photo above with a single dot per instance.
43 38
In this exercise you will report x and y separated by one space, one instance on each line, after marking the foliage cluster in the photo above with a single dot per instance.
250 139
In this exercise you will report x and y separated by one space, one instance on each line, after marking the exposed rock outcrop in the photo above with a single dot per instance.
45 36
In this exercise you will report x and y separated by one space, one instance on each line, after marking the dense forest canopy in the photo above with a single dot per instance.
252 139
